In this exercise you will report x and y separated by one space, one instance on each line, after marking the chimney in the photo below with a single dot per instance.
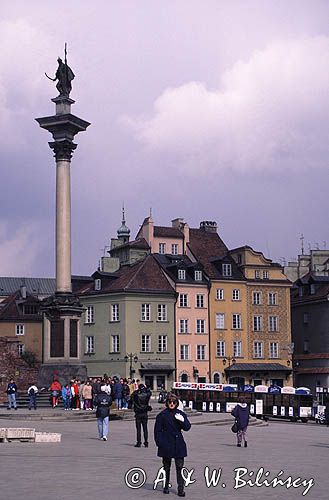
178 222
23 291
208 226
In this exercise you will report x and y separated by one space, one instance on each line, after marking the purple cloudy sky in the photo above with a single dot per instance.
208 109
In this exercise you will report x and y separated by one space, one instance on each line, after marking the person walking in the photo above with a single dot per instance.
168 437
141 406
55 389
241 414
103 403
11 394
33 392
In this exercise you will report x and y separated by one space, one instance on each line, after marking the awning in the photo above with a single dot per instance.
154 368
257 367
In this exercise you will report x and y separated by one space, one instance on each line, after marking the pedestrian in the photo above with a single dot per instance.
75 401
241 414
55 389
33 392
87 395
141 406
170 442
326 414
125 394
66 396
118 392
103 403
11 394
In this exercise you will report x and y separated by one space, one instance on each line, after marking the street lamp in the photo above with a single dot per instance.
132 358
229 359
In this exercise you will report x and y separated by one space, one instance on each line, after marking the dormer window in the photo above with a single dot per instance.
227 269
181 274
198 275
98 284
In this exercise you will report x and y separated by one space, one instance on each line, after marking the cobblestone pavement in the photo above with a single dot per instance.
81 467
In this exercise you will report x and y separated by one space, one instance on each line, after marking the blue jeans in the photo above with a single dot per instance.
33 401
103 426
67 403
118 402
12 400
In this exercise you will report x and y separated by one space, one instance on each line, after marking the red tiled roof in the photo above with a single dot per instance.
167 232
145 275
9 308
206 246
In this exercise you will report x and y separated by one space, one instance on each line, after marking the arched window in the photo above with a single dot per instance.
184 377
216 378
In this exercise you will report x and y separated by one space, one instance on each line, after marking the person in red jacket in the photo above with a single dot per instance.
75 402
55 389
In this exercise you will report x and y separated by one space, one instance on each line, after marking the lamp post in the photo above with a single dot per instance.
229 359
132 358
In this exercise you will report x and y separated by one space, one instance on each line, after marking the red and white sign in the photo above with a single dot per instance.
261 388
288 390
186 385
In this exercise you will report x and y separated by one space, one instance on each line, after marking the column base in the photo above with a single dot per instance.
63 372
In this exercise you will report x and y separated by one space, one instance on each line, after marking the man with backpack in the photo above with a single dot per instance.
140 403
103 403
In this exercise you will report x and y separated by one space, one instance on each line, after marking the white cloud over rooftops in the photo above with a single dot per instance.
269 112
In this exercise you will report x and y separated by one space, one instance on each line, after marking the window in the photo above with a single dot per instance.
306 346
220 321
162 312
236 321
90 315
235 294
265 275
20 329
162 343
305 318
312 289
183 300
220 294
300 291
90 344
257 274
184 352
272 299
115 343
220 349
98 284
256 298
227 269
146 312
199 300
183 326
200 352
198 275
146 343
162 248
174 249
30 309
200 326
274 350
237 349
115 312
273 323
21 349
257 323
258 349
181 274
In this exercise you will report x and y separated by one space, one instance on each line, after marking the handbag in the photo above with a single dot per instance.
234 427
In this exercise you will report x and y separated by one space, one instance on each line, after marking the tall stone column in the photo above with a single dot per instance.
62 310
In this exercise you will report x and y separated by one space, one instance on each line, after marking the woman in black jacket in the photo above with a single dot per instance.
170 442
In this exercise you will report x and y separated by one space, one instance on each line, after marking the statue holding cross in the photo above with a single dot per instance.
64 75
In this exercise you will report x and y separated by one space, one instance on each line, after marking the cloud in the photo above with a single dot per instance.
20 248
270 112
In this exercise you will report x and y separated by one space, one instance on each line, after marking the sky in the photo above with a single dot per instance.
201 109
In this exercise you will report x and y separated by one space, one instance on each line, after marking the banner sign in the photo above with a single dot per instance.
288 390
185 385
274 389
210 387
261 388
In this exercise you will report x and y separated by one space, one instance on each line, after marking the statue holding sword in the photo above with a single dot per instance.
64 75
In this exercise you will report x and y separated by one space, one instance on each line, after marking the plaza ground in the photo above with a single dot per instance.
82 467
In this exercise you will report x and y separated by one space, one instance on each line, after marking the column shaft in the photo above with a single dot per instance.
63 226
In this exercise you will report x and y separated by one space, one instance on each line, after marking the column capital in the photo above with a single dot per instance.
63 149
